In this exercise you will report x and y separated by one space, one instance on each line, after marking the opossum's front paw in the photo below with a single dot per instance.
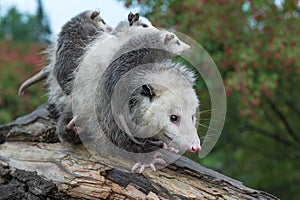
171 149
156 160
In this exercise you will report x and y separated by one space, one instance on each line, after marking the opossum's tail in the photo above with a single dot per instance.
36 78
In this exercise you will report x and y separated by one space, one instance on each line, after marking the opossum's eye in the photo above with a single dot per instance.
174 118
103 21
144 25
177 42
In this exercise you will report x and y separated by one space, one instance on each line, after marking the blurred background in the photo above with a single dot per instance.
254 43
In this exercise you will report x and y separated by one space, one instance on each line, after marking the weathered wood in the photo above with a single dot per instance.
69 172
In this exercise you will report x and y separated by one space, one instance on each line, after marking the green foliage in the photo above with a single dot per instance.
21 36
25 27
255 44
18 61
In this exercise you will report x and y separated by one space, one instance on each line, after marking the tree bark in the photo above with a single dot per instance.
34 165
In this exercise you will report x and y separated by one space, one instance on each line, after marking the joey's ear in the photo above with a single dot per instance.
130 17
133 18
168 38
95 14
148 91
136 17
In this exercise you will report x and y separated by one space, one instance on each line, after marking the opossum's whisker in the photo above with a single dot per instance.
209 128
210 110
216 120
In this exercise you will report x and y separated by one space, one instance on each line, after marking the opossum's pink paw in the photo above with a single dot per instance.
171 149
148 165
71 124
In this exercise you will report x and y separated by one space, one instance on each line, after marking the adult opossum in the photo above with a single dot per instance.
64 54
162 99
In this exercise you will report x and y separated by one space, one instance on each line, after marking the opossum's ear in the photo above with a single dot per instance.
95 14
148 91
133 18
168 38
130 16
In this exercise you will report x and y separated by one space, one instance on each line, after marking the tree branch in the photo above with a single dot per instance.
78 175
283 119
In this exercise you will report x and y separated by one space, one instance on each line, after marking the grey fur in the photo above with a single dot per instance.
74 37
139 77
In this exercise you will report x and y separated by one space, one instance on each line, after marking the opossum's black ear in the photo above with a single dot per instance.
130 17
148 91
133 18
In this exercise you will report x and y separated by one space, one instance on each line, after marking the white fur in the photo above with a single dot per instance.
175 45
99 23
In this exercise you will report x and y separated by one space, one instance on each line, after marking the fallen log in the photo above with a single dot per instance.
34 165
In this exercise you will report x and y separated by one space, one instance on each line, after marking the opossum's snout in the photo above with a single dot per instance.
195 148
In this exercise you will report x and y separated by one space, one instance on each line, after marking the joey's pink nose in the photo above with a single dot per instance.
194 149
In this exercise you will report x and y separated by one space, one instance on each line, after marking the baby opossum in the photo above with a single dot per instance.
134 20
72 41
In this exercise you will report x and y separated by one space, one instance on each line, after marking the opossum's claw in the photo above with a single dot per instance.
152 167
142 167
71 124
160 161
135 166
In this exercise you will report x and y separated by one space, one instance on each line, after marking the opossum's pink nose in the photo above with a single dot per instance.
194 149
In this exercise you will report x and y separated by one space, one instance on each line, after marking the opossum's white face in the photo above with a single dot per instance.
100 23
172 112
173 43
141 25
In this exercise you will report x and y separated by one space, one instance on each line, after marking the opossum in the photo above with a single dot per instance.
73 39
134 20
71 43
163 99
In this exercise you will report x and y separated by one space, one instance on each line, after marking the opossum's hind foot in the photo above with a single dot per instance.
72 125
156 160
66 129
